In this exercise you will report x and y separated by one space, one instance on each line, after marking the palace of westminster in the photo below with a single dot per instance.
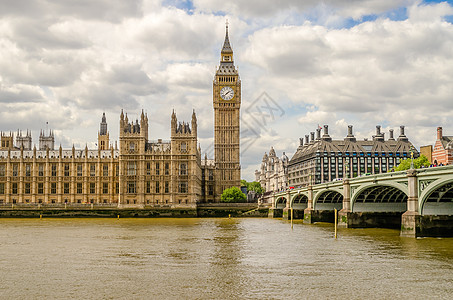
140 171
172 173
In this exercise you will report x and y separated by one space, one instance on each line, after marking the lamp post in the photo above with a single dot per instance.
412 157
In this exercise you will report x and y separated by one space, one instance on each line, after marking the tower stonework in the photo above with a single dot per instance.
227 104
103 135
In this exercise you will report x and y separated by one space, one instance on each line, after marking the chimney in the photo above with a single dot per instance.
301 141
312 137
306 139
439 133
326 136
350 136
391 135
318 133
378 130
402 136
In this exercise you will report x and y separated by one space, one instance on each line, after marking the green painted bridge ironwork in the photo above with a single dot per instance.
413 193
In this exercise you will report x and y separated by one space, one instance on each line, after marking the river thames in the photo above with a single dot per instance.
216 259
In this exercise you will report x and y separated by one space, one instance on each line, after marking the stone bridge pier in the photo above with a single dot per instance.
410 219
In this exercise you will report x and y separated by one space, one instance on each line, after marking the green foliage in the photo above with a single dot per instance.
418 163
233 195
256 187
252 186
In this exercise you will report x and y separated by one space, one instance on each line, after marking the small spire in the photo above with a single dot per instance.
226 44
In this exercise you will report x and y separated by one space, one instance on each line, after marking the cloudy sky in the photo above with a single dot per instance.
302 63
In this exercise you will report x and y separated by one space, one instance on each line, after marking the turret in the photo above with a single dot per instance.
103 135
174 122
144 125
46 141
194 123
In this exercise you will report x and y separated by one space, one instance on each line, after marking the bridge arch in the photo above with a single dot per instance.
379 198
437 198
280 202
328 200
299 201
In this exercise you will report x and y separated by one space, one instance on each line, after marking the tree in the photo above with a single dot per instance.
256 187
252 186
233 195
418 163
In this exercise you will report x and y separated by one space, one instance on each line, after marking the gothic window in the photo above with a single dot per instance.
210 190
66 188
132 146
167 169
182 169
79 188
157 187
41 170
148 168
131 168
2 170
92 170
2 188
117 188
157 169
15 169
66 170
167 187
211 175
27 170
105 188
54 170
183 147
92 188
117 170
53 188
79 170
27 188
183 187
40 188
148 187
14 188
105 170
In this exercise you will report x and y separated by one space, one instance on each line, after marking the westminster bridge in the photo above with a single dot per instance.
420 202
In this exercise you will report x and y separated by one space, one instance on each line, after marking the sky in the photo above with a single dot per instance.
302 64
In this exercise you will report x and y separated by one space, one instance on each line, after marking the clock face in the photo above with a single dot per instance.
227 93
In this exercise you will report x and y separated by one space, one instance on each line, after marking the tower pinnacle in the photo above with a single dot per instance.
226 44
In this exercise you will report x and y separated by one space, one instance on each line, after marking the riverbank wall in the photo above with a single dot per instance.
202 210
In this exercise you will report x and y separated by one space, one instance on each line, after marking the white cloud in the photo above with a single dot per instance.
65 62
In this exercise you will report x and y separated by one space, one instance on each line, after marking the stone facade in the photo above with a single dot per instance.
140 171
321 159
443 149
227 104
273 174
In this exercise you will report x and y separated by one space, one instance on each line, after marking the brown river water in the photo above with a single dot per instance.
216 259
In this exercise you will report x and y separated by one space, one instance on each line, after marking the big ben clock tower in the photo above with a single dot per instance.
227 104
